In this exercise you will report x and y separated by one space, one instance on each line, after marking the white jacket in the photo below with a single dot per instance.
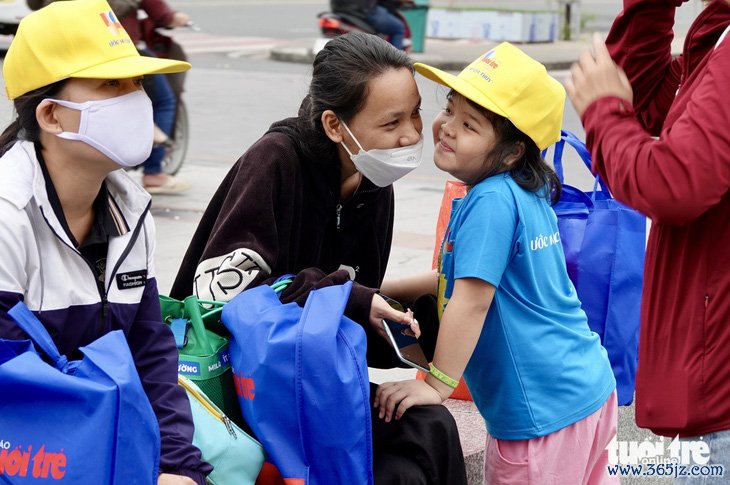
40 265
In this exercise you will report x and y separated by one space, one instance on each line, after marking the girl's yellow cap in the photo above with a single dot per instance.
510 83
80 38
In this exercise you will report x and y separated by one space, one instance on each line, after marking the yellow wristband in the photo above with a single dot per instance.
452 383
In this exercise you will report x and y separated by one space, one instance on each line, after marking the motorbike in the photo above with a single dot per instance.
165 47
333 24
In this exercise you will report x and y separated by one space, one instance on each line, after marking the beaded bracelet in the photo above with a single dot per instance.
452 383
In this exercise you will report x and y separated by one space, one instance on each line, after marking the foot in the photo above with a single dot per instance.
162 183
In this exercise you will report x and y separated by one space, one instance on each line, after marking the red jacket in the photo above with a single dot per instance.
681 182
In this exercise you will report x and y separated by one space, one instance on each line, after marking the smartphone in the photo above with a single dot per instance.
406 345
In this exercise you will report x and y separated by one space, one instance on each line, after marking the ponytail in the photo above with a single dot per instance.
25 126
9 136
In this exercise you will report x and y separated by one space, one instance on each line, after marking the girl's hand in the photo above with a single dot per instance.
169 479
379 310
403 394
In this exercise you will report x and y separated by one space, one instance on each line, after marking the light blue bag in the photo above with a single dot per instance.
236 457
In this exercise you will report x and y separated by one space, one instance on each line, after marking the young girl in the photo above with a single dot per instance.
511 323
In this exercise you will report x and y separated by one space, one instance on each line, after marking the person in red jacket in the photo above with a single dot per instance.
659 132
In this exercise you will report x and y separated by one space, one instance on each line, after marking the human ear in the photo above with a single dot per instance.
332 126
517 152
46 116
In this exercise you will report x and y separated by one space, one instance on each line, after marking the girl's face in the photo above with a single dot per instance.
79 90
391 116
463 139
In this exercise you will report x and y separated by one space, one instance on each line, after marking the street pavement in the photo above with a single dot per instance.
455 54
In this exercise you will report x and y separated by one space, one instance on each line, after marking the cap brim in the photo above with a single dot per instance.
459 85
131 66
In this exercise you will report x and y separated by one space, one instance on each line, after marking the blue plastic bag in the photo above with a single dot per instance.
302 382
604 244
79 422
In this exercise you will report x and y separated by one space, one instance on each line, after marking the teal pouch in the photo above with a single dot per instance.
237 458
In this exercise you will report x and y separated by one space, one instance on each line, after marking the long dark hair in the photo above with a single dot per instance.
530 171
340 75
25 125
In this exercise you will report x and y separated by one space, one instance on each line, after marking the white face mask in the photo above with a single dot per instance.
384 166
121 128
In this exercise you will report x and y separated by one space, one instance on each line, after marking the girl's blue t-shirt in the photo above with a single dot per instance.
537 367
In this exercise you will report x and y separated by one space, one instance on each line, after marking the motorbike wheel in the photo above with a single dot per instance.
175 154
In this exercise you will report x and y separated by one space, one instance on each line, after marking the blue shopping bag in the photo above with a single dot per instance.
604 244
79 422
302 382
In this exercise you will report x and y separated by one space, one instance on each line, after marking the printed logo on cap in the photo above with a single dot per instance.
489 59
111 22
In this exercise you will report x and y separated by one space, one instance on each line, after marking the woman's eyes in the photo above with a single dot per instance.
115 83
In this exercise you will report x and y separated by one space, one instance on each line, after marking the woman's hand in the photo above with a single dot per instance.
403 394
379 310
597 76
169 479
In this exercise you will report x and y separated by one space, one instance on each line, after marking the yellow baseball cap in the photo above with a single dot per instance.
510 83
80 38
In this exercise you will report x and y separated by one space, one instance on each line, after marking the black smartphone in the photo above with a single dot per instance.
406 345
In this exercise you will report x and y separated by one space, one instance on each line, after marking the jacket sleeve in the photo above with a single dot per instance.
676 178
155 355
13 276
159 11
237 242
640 42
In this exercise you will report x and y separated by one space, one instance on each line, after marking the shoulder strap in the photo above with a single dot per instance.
37 333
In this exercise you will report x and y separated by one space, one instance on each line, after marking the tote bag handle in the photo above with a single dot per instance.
37 333
585 156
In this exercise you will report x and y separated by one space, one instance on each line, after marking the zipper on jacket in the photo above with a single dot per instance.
130 245
352 200
215 412
102 294
707 300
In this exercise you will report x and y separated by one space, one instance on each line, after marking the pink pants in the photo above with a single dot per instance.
573 455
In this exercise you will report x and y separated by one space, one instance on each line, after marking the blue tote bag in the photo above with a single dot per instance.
79 422
302 382
604 244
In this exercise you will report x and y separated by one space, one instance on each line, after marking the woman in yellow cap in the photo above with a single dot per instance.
512 323
75 229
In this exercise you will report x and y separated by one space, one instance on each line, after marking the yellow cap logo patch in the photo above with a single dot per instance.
111 22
